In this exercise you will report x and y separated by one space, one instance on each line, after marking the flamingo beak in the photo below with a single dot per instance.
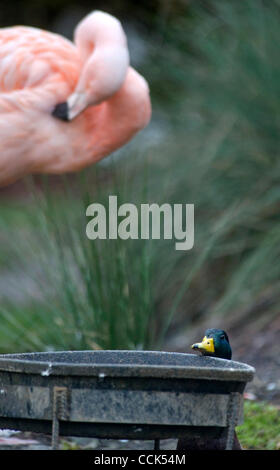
77 103
61 111
71 108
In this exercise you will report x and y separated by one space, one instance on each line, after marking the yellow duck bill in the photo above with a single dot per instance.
206 346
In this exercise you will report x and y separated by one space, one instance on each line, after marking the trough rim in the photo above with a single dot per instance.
238 372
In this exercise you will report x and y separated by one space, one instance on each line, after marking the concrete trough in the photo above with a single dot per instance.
121 394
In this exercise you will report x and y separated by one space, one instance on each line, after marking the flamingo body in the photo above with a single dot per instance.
106 100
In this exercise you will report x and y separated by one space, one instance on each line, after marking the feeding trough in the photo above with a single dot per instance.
121 394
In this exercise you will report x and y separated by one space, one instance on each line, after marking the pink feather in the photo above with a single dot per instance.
108 100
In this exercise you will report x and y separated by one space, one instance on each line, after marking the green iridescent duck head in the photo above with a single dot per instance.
215 343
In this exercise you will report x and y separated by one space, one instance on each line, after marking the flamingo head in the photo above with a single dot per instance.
104 64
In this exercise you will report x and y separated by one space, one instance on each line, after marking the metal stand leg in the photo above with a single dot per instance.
233 413
157 444
60 412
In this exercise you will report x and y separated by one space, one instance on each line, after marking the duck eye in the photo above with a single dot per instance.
222 337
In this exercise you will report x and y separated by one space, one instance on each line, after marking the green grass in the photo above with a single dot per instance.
261 428
224 154
85 294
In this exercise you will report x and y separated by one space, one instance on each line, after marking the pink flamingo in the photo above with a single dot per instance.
64 106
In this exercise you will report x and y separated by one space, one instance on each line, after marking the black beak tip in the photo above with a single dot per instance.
61 111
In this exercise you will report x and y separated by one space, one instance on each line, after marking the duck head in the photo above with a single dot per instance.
215 343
